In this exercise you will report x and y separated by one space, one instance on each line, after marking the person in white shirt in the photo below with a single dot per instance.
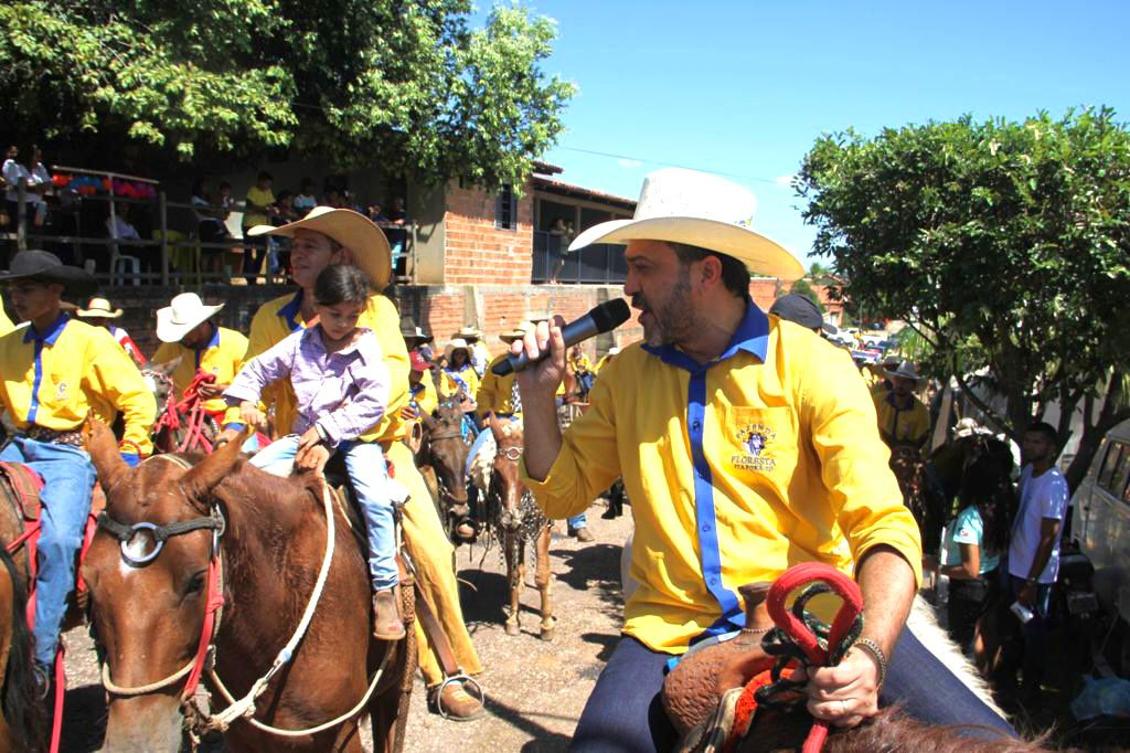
13 172
1033 553
119 227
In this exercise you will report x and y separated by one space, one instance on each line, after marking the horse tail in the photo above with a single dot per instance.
22 709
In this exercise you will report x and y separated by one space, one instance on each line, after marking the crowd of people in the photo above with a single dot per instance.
731 430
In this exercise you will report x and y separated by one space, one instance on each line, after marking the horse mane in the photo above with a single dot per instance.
23 711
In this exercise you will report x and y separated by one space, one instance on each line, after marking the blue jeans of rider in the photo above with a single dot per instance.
365 464
624 713
68 479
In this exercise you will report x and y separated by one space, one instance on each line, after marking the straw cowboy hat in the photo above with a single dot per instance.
98 308
352 230
182 314
684 206
44 266
517 333
905 370
456 344
468 333
968 427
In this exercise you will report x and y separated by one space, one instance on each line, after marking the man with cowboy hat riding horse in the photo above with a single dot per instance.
341 236
99 313
747 445
903 419
54 368
197 344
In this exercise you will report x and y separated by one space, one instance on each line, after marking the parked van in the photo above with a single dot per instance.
1102 509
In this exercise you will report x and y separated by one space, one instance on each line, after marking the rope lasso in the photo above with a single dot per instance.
192 405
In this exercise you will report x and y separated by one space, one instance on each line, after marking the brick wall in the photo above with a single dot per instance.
476 252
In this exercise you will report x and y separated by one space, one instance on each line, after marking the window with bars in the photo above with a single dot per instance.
506 208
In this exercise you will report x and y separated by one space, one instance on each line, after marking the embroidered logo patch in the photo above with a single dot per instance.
756 440
61 391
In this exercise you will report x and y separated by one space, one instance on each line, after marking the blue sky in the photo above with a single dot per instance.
744 88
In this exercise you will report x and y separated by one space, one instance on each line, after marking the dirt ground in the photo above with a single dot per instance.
535 689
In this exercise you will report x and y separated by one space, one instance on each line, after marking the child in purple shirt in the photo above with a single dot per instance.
340 384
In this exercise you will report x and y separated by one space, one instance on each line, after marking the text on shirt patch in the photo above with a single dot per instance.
61 391
755 439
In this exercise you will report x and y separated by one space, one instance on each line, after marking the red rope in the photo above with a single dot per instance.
215 601
805 639
190 405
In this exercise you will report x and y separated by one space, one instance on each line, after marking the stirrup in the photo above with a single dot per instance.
465 681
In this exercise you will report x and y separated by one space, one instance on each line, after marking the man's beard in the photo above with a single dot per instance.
673 320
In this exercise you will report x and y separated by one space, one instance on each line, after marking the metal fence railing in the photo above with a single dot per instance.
172 252
599 264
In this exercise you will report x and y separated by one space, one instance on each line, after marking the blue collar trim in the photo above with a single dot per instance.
52 333
291 310
215 341
751 336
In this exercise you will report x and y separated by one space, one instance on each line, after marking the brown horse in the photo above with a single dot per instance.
21 724
516 520
167 525
442 459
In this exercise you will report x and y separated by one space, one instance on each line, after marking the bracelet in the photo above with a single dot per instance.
872 648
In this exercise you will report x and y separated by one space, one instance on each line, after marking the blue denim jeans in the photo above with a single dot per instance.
365 464
68 479
624 713
577 521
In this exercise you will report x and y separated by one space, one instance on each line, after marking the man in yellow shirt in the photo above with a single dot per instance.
903 419
187 333
258 208
747 445
341 236
54 368
6 325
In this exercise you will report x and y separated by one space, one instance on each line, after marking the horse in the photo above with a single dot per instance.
442 460
182 423
205 569
22 722
516 520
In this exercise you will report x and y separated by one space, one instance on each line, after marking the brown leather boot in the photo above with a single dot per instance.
456 703
388 625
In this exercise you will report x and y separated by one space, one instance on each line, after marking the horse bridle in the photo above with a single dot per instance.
143 532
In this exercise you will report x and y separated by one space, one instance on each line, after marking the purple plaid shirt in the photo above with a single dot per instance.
343 393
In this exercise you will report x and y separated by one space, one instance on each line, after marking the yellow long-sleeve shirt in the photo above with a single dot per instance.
495 392
763 459
449 382
425 396
222 356
54 382
6 325
278 318
906 426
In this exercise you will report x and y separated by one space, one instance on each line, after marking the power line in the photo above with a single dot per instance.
595 152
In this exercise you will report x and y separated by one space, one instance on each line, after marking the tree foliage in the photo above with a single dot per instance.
406 84
1006 244
803 287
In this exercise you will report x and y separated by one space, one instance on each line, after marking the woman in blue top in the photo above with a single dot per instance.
975 541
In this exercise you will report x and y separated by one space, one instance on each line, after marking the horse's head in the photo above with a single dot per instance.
159 379
505 481
448 452
148 574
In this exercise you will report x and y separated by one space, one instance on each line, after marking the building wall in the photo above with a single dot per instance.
475 251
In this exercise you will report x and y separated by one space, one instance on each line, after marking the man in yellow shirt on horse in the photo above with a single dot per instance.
341 236
903 420
55 368
747 445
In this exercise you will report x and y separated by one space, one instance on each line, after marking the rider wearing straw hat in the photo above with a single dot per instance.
903 419
480 355
458 376
99 313
55 368
747 445
199 345
328 236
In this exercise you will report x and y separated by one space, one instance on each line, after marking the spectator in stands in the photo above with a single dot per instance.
118 224
210 227
335 198
14 171
398 234
306 199
376 214
557 248
258 210
279 259
39 183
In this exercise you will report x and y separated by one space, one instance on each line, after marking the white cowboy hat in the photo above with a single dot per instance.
456 344
352 230
684 206
968 427
182 314
98 308
905 370
517 333
467 332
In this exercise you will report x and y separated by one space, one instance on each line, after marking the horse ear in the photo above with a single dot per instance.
103 449
168 367
203 476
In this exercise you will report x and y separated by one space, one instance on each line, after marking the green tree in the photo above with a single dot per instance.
804 287
1003 244
407 85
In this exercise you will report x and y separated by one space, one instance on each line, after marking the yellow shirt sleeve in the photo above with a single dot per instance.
427 398
6 325
113 375
382 317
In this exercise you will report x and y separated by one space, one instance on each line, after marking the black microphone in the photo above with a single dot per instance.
603 318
